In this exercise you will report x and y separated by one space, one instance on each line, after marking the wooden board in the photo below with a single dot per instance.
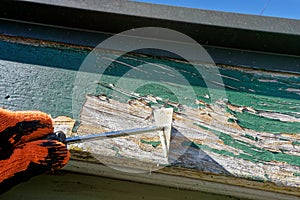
202 139
251 135
196 147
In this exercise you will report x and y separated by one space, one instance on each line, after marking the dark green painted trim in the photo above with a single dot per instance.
220 55
213 28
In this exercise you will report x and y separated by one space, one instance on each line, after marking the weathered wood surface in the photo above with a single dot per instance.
197 144
252 134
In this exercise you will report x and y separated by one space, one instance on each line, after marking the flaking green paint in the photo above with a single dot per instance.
250 137
58 66
296 143
263 124
251 153
153 143
207 148
296 174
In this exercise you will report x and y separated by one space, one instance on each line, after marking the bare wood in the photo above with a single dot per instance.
129 154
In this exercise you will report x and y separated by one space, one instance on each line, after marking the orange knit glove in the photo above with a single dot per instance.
23 151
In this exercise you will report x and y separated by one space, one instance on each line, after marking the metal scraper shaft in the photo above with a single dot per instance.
112 134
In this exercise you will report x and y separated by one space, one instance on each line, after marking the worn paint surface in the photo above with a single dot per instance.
256 126
202 140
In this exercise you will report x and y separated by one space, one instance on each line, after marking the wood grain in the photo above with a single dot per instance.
251 134
197 146
202 139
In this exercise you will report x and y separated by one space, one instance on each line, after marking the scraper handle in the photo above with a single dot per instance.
60 136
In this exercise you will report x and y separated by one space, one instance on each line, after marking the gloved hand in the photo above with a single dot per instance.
23 151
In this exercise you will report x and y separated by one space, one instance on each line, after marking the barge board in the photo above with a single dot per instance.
198 146
274 101
259 124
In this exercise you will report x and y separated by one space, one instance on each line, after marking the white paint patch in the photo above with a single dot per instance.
279 116
268 80
294 90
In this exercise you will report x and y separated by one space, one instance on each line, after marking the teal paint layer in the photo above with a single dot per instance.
251 153
43 78
153 143
262 124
